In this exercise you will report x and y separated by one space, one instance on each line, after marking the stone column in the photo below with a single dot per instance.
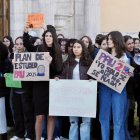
17 18
92 18
19 10
64 17
47 7
79 18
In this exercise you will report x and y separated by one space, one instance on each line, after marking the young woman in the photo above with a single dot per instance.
88 43
3 90
8 41
103 43
17 100
63 48
136 45
41 88
76 68
69 45
130 87
129 44
109 98
137 76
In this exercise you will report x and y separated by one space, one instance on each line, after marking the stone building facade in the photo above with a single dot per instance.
73 18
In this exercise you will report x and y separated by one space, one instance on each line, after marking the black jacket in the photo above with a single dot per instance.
54 68
68 68
3 58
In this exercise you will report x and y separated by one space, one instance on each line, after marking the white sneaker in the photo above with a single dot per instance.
57 138
16 138
27 139
62 138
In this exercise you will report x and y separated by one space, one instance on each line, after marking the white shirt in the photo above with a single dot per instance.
126 59
76 75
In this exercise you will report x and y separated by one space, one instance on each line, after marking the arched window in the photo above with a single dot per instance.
4 18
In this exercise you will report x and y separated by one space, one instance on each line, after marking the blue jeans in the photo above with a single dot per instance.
84 128
108 99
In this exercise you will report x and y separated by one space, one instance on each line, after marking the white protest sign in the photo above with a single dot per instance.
110 71
73 98
31 66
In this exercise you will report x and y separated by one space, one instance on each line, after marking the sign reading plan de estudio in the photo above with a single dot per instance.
31 66
110 71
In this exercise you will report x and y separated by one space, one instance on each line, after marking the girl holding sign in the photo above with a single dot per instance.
41 88
19 104
109 98
76 68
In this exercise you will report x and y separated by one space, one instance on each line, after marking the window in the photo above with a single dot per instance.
4 18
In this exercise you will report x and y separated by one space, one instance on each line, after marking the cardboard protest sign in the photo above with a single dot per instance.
10 82
73 98
110 71
36 20
31 66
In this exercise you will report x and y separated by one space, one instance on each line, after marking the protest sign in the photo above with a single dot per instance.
73 98
10 82
31 66
110 71
36 20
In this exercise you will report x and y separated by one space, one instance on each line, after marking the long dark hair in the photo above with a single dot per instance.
10 48
118 41
90 46
19 37
55 51
85 59
134 39
127 37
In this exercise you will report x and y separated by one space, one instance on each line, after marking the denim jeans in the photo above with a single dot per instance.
84 128
108 99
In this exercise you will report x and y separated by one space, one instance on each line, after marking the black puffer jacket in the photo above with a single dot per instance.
68 68
3 57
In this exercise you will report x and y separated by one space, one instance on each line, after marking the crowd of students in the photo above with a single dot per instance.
26 109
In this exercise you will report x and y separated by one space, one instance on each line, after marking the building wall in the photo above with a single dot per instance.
73 18
64 17
120 15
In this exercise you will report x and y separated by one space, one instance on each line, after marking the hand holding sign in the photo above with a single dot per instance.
10 82
110 71
48 57
31 66
36 20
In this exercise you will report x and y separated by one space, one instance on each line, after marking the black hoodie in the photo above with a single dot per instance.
3 57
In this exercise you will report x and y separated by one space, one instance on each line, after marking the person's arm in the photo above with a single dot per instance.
3 51
26 40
